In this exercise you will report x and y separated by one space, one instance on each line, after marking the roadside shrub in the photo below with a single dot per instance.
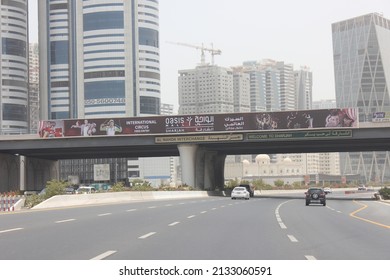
118 187
385 192
55 187
33 200
143 188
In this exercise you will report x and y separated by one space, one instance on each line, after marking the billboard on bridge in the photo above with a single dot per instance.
177 124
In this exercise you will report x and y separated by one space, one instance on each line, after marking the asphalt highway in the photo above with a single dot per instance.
215 228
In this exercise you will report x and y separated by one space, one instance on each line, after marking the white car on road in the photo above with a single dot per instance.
327 190
240 192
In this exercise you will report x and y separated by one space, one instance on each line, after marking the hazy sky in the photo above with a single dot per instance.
293 31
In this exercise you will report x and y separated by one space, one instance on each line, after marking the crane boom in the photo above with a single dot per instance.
203 49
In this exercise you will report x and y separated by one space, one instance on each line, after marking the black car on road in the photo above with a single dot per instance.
249 188
315 195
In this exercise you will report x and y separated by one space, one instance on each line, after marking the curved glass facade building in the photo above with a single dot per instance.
14 117
99 58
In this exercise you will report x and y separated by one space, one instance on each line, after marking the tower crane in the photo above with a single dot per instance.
203 49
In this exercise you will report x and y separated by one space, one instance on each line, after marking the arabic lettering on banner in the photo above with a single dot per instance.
192 123
341 133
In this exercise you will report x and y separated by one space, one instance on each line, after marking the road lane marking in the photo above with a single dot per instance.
104 255
152 207
168 205
147 235
131 210
353 214
173 224
213 208
189 217
277 215
310 258
181 203
9 230
203 212
105 214
292 238
65 221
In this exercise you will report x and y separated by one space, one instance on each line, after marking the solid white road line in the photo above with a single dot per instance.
146 235
104 255
9 230
173 224
310 258
65 221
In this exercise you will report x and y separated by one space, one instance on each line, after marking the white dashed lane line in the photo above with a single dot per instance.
65 221
10 230
131 210
174 224
147 235
104 255
105 214
310 258
190 217
203 212
292 238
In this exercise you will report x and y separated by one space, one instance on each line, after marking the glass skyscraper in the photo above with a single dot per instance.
361 53
98 59
14 117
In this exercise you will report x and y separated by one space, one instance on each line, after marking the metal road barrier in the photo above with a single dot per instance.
8 201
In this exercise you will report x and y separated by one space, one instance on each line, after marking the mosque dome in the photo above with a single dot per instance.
287 160
262 158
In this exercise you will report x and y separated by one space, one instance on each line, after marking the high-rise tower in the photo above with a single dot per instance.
99 58
14 100
361 53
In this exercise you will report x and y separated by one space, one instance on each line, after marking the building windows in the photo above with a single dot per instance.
14 47
59 52
14 112
104 74
149 105
103 20
148 37
105 89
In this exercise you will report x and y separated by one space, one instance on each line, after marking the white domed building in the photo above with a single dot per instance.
284 169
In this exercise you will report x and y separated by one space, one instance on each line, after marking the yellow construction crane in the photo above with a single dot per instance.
203 49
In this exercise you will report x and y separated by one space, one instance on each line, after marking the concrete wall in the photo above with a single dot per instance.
117 197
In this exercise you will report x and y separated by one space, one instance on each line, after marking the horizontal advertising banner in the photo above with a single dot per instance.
177 124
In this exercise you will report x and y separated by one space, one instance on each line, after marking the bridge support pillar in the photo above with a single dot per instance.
214 165
188 163
39 171
9 173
